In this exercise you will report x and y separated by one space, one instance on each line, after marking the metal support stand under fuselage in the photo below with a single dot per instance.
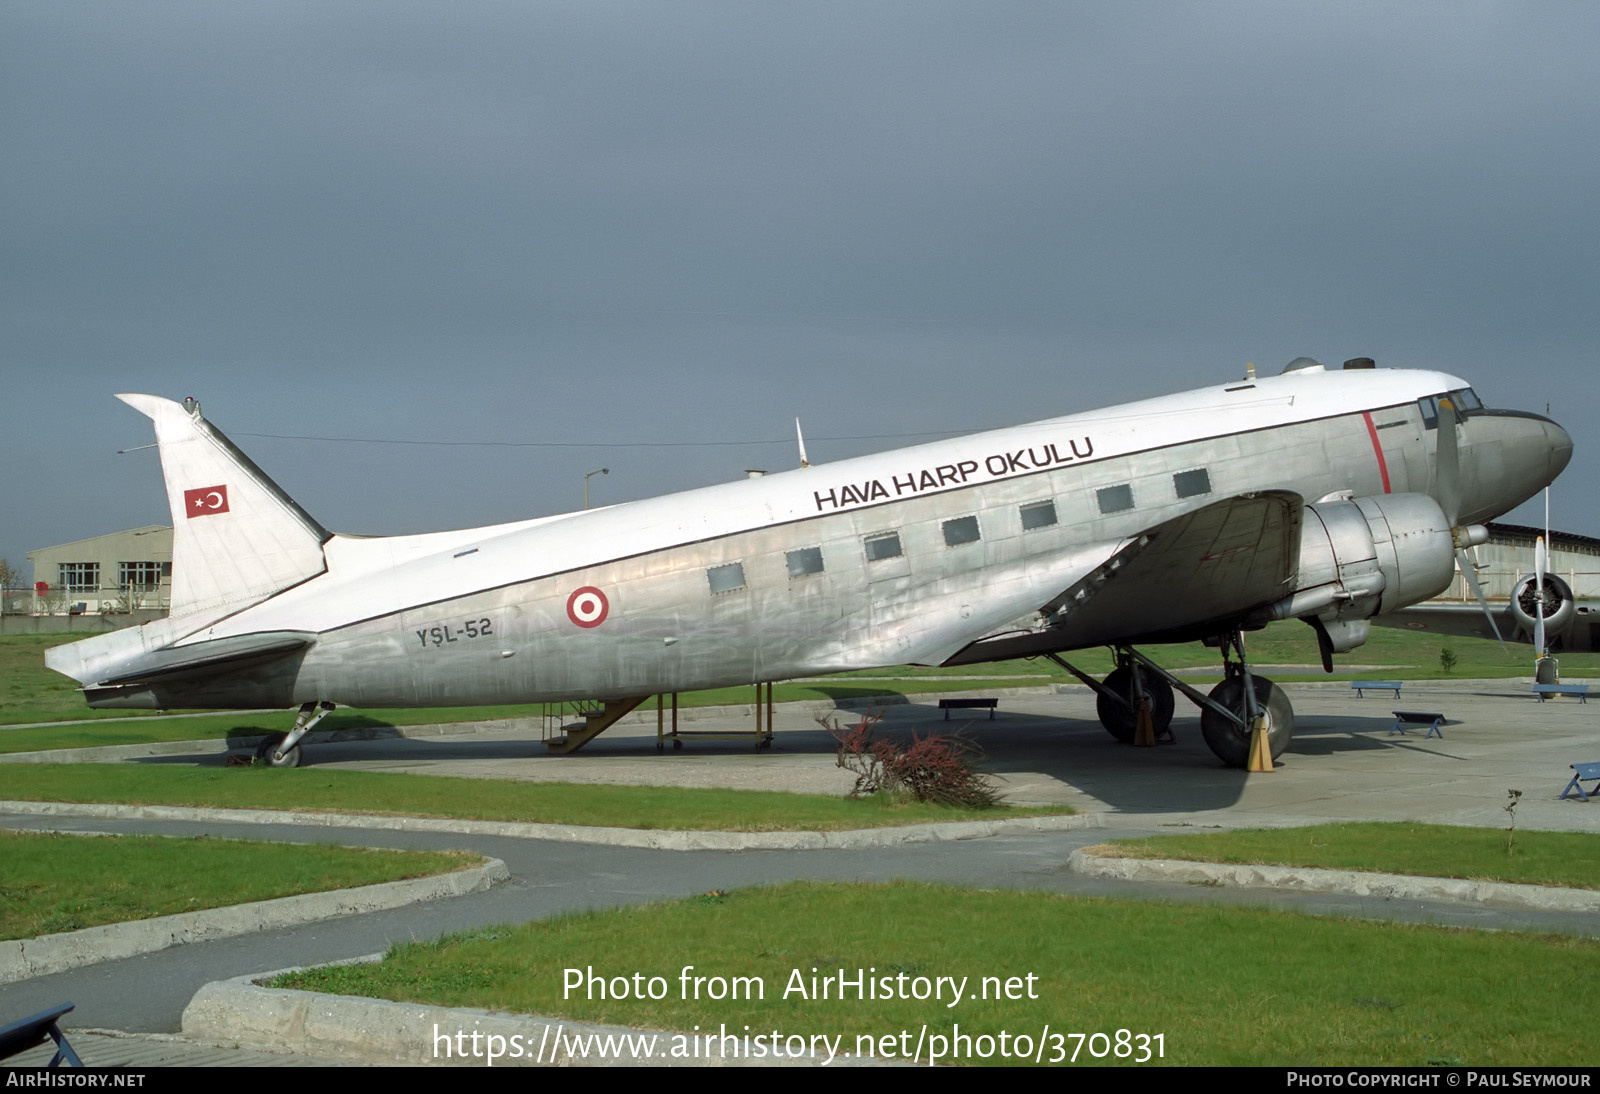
763 731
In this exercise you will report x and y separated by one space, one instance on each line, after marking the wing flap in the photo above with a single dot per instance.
1181 580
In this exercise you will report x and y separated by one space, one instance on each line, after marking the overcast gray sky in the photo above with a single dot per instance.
623 226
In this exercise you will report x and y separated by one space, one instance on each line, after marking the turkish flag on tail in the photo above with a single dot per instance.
205 501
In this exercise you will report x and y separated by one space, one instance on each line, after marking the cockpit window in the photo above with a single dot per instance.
1465 400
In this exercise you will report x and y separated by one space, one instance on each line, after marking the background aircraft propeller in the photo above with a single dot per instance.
1539 562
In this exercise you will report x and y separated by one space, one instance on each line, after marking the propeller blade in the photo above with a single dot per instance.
1447 462
1470 572
1539 561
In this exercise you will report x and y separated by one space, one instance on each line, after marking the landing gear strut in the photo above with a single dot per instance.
284 750
1244 697
1227 716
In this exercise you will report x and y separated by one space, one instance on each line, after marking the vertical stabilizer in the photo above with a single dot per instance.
236 537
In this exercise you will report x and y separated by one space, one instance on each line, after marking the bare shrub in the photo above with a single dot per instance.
942 767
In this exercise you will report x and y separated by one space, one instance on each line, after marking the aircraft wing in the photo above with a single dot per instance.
1460 620
906 622
1181 580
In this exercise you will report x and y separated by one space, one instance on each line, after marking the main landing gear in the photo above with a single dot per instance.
283 750
1229 715
1133 684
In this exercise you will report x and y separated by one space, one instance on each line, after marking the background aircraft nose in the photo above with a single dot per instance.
1560 442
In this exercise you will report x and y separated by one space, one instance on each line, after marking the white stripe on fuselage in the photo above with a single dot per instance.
364 578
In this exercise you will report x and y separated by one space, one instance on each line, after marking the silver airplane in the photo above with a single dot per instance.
1326 495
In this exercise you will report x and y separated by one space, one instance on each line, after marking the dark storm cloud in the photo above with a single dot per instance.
694 221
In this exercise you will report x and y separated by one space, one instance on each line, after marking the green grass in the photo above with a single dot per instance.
1570 859
1224 986
671 808
65 883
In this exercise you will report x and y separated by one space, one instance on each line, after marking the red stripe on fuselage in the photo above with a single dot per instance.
1377 449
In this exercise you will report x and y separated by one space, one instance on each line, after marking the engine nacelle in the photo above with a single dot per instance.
1366 556
1560 607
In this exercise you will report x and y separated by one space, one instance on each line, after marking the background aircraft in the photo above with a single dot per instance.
1571 618
1326 495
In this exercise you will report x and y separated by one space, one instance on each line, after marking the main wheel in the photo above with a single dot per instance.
267 752
1231 742
1120 721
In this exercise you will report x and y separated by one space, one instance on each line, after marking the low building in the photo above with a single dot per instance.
117 574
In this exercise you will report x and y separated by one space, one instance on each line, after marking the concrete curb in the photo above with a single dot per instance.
651 839
240 1012
21 959
1307 879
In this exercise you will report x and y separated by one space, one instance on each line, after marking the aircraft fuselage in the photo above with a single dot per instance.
887 559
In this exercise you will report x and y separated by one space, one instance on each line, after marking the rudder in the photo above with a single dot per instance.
237 538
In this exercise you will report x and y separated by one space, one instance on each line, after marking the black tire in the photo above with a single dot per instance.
266 752
1120 721
1230 742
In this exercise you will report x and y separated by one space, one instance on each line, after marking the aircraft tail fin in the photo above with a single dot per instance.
237 538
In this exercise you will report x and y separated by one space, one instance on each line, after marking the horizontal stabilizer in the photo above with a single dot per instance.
203 658
237 538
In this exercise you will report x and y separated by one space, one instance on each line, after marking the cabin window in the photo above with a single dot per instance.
807 560
1038 514
883 545
726 579
961 530
1115 499
1192 483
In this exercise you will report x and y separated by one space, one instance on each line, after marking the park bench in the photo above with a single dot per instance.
1579 692
1403 718
947 705
22 1035
1591 772
1363 686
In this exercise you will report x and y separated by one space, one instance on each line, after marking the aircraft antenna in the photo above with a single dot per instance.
802 439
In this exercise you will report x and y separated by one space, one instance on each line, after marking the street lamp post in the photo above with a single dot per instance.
586 478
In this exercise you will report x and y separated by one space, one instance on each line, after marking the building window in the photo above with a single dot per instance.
883 545
961 530
1115 499
139 575
80 577
1192 483
726 579
807 560
1038 514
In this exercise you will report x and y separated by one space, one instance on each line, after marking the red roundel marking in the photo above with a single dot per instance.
587 607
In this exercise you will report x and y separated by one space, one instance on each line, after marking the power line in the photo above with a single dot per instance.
592 444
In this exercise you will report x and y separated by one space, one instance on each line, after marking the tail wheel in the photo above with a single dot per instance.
1231 742
1121 721
267 752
